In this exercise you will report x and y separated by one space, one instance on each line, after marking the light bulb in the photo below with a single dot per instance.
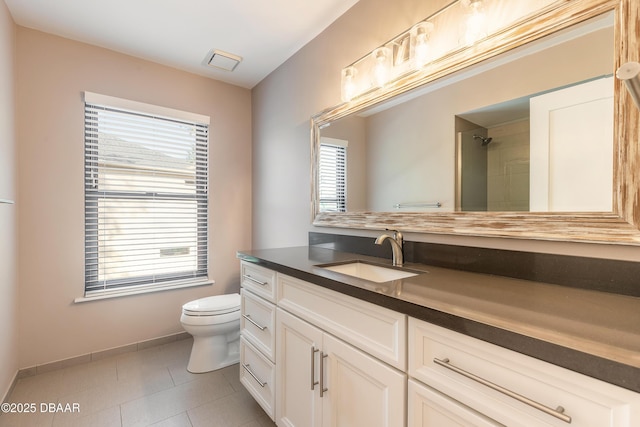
348 83
381 66
421 49
476 22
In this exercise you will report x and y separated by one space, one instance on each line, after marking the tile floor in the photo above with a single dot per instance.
150 387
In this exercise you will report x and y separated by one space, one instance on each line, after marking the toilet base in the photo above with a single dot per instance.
212 353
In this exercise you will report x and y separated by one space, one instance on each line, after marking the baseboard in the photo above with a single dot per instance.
11 387
91 357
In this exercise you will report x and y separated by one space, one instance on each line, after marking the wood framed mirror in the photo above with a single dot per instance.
619 225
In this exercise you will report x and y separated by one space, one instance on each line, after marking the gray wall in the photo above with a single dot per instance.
310 82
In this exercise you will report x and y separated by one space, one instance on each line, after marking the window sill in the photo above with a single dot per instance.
118 293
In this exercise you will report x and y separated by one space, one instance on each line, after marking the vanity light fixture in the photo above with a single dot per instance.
348 83
420 34
629 73
476 21
381 66
458 26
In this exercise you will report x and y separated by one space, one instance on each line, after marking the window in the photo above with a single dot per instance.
146 196
333 175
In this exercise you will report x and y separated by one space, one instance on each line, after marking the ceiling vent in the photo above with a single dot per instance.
222 60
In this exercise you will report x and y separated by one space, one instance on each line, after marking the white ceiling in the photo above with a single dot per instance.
180 33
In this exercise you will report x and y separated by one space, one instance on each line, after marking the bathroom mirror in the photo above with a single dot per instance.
428 197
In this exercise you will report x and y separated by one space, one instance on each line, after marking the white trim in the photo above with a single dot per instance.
127 291
141 107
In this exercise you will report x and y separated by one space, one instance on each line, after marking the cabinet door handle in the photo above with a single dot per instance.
558 412
323 389
253 322
246 276
248 369
313 367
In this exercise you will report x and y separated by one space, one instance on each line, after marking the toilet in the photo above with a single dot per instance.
214 323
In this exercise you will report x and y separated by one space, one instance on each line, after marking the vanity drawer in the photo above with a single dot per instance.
481 376
257 323
258 374
375 330
259 280
427 407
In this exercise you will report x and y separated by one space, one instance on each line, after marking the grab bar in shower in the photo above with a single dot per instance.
9 202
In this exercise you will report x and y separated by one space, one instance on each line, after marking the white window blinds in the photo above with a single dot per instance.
146 195
333 175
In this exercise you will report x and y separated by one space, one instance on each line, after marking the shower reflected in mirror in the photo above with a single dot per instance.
485 140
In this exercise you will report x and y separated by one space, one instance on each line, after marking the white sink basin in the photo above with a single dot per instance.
372 272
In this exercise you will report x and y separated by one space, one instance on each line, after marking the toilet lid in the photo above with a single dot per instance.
218 304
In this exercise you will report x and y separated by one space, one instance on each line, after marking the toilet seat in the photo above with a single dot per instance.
212 306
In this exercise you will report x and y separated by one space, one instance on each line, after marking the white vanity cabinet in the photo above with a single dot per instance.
468 377
340 360
375 330
320 358
258 334
313 357
323 381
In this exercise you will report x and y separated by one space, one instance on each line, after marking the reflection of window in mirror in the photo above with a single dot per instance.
332 175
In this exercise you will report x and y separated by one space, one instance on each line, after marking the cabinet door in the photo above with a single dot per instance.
429 408
361 390
298 344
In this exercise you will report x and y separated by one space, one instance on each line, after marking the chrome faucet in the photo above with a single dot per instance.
396 246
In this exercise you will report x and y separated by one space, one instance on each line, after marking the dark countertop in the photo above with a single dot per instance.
590 332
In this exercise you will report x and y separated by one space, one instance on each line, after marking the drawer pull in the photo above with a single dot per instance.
313 367
248 369
558 412
246 276
253 322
